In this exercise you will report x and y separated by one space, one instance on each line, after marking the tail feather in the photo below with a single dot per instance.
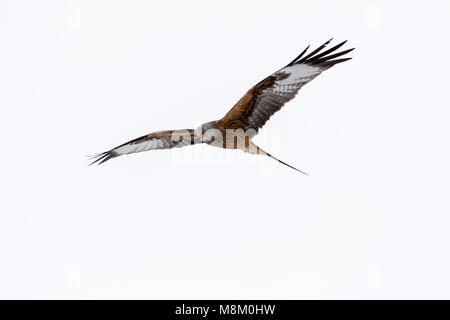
288 165
254 149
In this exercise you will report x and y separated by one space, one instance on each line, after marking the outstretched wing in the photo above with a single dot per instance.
157 140
267 97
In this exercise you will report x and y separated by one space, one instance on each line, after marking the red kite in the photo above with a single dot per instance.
236 129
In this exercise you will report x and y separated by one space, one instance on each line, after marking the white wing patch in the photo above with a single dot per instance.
289 80
137 147
161 140
151 144
296 74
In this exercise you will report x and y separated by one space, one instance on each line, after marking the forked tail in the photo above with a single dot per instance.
254 149
282 162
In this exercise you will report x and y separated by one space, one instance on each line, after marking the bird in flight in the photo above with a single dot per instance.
236 129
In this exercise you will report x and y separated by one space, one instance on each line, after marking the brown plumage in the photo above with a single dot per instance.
248 115
238 116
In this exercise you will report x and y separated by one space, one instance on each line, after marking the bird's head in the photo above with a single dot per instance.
207 132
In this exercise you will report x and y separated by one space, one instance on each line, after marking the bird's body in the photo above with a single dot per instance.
236 129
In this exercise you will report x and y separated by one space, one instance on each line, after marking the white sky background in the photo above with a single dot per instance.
79 77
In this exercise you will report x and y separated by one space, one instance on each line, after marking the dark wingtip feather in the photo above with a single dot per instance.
102 157
316 57
314 52
328 58
298 57
325 58
330 63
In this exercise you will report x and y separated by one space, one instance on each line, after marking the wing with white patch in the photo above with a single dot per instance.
267 97
157 140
